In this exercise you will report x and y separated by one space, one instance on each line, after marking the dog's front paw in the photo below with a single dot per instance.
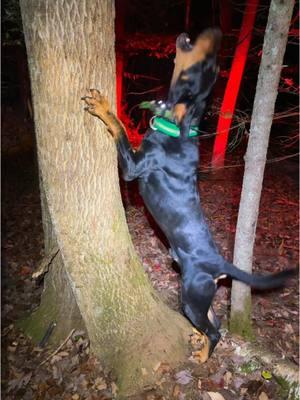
97 104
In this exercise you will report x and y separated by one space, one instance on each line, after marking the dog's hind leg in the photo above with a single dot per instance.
197 295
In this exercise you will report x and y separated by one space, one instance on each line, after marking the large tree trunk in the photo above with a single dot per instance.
70 46
263 110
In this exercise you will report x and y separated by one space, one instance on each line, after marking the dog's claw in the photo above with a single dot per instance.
96 94
97 105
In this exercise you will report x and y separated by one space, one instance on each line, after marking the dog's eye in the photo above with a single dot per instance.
185 77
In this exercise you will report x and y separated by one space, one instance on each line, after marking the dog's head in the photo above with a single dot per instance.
194 74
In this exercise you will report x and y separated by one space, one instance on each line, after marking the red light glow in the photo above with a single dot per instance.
233 84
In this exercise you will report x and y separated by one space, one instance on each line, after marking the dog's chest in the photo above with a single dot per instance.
170 160
181 161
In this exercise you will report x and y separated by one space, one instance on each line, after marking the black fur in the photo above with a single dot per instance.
166 168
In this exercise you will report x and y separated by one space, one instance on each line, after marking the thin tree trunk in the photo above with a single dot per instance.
263 110
70 46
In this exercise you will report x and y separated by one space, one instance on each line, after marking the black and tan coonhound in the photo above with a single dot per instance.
166 166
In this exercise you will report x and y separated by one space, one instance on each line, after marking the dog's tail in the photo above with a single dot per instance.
271 281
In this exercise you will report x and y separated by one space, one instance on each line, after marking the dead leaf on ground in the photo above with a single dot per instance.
215 396
227 378
176 391
19 382
183 377
263 396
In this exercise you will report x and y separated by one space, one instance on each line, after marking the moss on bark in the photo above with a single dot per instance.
57 305
240 321
36 324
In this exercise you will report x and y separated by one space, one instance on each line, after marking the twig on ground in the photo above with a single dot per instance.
59 348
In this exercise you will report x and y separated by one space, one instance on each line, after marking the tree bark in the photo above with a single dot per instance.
58 304
263 110
70 47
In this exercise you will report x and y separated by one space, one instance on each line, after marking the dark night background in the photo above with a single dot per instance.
145 31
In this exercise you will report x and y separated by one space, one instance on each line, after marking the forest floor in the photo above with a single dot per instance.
29 372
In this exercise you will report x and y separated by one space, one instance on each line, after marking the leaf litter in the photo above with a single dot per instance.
30 372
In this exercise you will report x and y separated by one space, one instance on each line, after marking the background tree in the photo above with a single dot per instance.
275 40
96 278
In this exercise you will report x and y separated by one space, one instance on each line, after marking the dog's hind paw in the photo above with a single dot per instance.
201 346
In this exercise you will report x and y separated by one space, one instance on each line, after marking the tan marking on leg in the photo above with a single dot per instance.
200 342
179 112
98 106
203 354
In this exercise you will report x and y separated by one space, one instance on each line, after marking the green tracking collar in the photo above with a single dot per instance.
169 128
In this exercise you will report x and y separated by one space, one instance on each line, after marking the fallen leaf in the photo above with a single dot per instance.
205 396
103 386
100 384
150 397
156 366
183 377
55 359
215 396
218 377
164 368
227 378
238 381
57 373
281 248
114 388
63 354
288 329
263 396
176 391
156 267
21 381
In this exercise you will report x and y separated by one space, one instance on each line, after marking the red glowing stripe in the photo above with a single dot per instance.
233 84
119 83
